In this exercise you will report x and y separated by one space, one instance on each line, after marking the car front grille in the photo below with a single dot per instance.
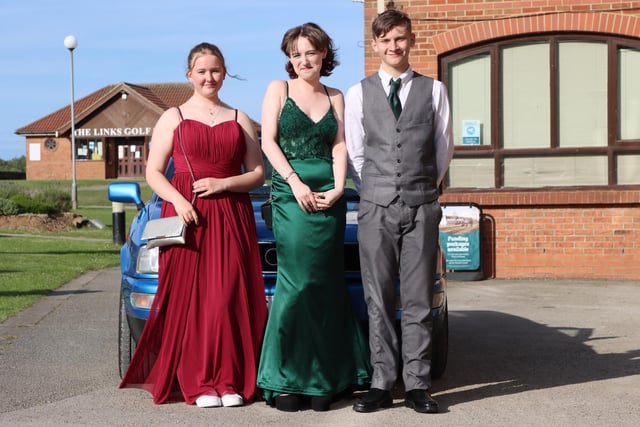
351 257
269 257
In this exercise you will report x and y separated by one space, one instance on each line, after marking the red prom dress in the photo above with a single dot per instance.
206 324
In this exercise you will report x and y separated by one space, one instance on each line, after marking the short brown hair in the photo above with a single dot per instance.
318 38
384 22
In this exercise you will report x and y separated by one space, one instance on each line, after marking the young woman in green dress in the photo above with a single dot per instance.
313 349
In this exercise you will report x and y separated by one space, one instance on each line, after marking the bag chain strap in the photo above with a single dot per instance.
193 176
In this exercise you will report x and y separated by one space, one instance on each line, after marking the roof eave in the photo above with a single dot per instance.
55 134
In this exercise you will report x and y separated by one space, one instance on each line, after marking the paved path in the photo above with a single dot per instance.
522 353
45 236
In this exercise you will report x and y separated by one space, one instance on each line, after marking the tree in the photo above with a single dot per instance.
18 164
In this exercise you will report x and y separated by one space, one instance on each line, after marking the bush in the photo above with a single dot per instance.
46 200
30 205
9 207
59 200
8 189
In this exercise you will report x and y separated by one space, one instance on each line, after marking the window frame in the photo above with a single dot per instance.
614 147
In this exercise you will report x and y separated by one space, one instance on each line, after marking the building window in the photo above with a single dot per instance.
555 110
629 102
89 149
582 94
525 100
471 95
51 144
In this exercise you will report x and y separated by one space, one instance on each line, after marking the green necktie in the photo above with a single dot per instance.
394 100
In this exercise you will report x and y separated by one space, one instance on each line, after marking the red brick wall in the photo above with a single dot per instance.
562 234
444 25
56 164
53 165
540 234
90 169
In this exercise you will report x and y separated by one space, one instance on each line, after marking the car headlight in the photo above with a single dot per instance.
140 300
147 260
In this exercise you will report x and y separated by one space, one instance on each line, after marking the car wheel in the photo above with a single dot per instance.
440 344
126 343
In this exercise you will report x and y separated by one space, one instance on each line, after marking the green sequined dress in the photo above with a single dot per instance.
313 344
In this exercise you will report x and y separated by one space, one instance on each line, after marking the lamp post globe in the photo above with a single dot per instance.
70 42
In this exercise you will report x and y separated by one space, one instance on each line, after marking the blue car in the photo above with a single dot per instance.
139 267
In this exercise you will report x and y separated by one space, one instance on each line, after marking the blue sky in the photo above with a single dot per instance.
144 41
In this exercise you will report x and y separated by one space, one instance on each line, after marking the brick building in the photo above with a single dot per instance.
551 89
113 127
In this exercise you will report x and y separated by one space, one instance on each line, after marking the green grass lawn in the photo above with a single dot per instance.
32 267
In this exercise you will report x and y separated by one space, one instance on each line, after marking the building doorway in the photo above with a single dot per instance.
126 157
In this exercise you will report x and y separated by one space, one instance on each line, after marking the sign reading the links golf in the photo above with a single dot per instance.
460 236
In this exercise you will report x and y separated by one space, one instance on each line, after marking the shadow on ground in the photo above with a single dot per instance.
494 354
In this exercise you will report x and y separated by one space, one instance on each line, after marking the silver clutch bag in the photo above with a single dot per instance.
164 232
169 230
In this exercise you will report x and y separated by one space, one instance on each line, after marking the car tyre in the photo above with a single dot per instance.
126 343
440 344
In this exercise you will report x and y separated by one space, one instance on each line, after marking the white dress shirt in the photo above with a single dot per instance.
355 133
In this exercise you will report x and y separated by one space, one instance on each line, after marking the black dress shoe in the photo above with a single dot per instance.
421 401
374 399
321 403
287 402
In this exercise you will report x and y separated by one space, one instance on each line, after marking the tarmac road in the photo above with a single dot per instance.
522 353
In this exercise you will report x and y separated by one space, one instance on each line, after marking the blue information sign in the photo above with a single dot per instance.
471 132
460 236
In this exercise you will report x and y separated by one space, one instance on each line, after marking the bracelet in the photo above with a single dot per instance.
290 175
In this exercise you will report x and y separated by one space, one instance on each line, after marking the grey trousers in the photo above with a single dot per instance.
399 242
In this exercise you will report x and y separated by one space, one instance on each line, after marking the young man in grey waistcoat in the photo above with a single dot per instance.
398 129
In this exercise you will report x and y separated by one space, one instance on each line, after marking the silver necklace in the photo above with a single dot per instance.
213 113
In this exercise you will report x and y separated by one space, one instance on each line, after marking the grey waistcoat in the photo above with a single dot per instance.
399 156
